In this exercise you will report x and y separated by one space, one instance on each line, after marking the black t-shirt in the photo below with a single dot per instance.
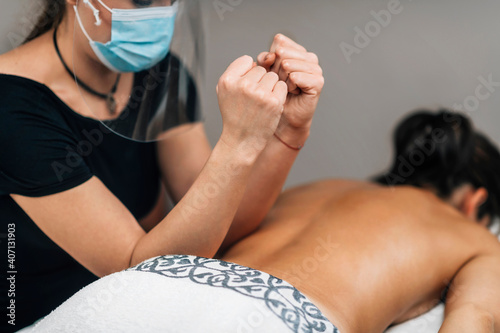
46 148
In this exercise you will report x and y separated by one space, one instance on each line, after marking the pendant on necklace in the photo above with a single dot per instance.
111 103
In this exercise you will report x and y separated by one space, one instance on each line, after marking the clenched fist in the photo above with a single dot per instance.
251 101
303 75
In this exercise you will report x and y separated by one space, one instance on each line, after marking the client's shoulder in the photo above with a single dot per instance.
405 193
335 184
326 186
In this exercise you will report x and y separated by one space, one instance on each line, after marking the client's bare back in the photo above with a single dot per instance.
367 255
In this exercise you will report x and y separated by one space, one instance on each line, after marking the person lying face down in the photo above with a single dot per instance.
367 254
372 255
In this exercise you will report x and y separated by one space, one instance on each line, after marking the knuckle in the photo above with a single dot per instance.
225 81
274 102
285 64
245 85
220 83
313 57
273 76
280 51
278 38
321 81
260 95
320 70
261 70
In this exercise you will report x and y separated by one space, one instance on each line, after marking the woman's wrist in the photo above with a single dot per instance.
244 152
292 137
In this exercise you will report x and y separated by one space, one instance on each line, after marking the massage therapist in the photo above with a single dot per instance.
77 221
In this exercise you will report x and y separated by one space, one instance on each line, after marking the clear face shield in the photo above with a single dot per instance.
154 65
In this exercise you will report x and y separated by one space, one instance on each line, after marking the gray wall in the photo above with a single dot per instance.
431 54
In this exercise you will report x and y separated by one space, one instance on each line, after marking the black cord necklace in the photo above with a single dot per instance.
109 97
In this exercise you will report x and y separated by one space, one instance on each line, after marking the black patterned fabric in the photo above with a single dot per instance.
282 299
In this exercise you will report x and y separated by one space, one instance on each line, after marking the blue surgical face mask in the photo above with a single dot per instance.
140 38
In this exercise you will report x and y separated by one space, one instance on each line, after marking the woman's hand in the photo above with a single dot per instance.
251 102
303 75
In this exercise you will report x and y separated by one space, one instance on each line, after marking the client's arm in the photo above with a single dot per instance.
473 303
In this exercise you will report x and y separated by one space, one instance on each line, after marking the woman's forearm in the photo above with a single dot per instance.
266 182
199 223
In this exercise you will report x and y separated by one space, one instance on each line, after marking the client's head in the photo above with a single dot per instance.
443 153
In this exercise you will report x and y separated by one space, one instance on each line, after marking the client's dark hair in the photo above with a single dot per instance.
52 13
443 151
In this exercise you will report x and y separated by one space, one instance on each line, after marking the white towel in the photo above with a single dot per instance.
429 322
186 294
